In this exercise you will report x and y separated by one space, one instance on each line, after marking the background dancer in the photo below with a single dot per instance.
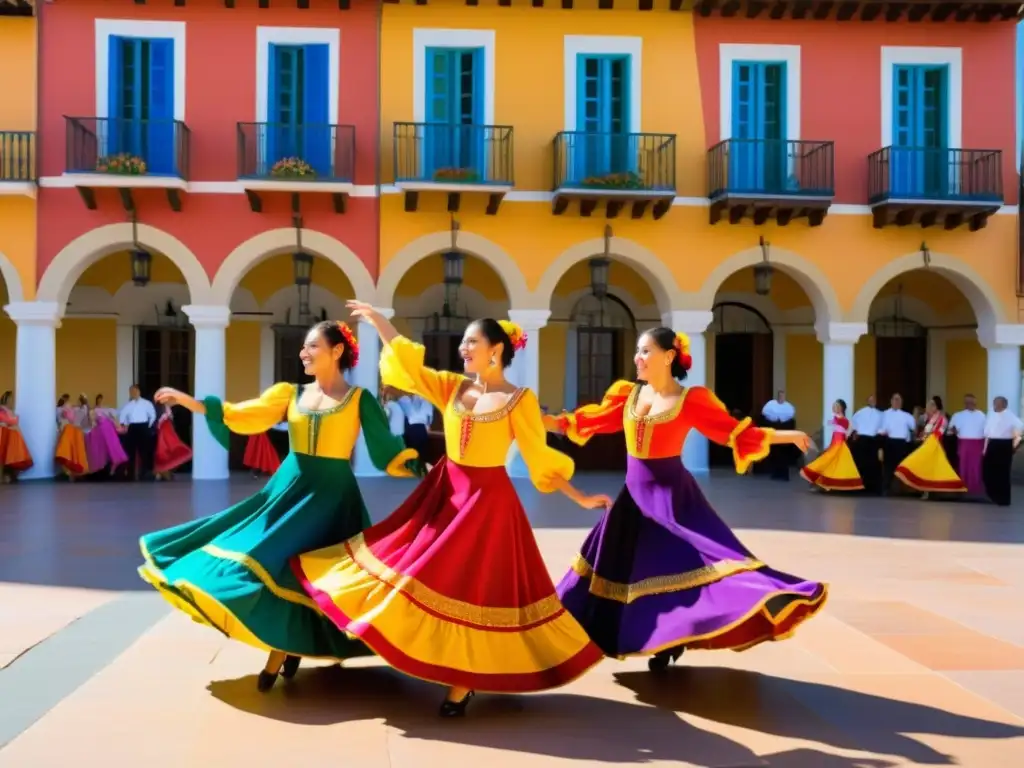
835 469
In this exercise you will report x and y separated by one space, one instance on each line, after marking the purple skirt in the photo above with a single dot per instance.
661 570
103 446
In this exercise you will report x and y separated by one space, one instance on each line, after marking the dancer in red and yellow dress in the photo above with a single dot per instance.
927 469
451 587
835 469
14 454
170 452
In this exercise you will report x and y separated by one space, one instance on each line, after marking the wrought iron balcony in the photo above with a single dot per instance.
17 156
454 158
297 153
637 168
771 178
908 185
124 147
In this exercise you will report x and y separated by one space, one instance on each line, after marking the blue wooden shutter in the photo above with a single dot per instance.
284 108
316 128
109 133
585 150
159 109
441 107
742 150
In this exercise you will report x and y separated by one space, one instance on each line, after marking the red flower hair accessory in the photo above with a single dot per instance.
515 334
681 344
350 341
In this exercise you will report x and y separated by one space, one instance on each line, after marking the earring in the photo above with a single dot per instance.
493 363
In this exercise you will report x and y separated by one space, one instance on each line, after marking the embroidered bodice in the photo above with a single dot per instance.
935 425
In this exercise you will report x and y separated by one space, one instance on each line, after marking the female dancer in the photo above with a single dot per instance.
102 442
14 454
170 452
927 468
230 571
835 470
661 572
71 454
451 587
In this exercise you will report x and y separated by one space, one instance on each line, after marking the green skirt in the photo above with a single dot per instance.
231 570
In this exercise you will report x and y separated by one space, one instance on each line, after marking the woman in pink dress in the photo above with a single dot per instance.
102 441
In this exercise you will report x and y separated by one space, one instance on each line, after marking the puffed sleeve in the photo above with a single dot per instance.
604 418
708 415
401 366
251 417
7 418
544 463
387 452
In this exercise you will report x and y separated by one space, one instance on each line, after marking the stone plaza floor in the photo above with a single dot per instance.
918 658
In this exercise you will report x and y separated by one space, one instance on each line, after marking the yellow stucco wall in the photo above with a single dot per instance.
243 361
966 372
804 379
87 358
8 342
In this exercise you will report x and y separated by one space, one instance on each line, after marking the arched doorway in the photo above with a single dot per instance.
901 355
605 336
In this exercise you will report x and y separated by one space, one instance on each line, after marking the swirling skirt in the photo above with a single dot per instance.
928 470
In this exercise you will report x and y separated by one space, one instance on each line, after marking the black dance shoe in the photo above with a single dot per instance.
265 681
659 662
456 708
290 667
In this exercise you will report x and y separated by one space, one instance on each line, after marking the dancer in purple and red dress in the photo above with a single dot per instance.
661 572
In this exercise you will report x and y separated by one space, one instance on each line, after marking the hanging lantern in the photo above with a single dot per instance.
142 261
302 264
599 276
763 271
453 265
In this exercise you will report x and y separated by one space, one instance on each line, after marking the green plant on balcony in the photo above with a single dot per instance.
292 168
626 180
456 175
123 163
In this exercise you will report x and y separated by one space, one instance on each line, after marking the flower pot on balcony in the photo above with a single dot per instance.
612 181
456 176
123 164
292 168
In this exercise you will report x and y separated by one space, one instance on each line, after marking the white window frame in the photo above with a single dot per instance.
952 58
422 39
604 45
267 36
728 53
107 28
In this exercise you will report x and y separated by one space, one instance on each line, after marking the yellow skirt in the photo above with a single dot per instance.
834 470
70 453
927 469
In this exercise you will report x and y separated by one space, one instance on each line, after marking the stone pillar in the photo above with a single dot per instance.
694 323
1003 343
35 381
126 368
209 458
838 340
525 371
367 376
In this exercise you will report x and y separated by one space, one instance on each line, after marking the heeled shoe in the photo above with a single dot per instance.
659 662
265 681
290 667
455 708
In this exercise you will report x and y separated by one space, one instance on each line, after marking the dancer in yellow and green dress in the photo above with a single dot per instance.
230 571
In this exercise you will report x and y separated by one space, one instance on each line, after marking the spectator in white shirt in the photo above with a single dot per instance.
396 416
969 427
896 430
1002 436
139 419
779 414
419 415
865 445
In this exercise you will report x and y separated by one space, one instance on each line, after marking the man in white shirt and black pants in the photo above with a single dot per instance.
865 445
778 414
1002 436
419 415
897 431
139 416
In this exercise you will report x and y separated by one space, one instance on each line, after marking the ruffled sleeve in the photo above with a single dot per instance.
604 418
7 418
401 366
387 452
544 463
708 415
251 417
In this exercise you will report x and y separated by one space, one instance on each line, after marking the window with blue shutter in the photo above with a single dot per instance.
919 154
453 136
298 124
758 154
140 101
602 144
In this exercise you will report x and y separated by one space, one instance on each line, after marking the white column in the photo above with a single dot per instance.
779 339
126 368
35 381
693 323
367 376
268 350
838 340
1003 343
525 370
209 458
570 399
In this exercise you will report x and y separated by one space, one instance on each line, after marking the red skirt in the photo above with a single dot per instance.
260 454
171 452
452 588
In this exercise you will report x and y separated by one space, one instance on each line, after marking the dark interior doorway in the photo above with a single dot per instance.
901 365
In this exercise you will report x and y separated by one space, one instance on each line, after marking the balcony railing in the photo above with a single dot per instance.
122 146
440 153
641 162
17 156
282 151
939 174
771 168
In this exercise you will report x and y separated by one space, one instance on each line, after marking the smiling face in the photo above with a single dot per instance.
651 358
476 352
318 357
